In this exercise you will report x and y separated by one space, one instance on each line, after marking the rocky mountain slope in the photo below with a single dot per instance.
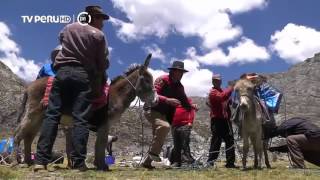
301 88
11 93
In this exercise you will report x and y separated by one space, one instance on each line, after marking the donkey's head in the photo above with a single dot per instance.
141 81
144 85
245 89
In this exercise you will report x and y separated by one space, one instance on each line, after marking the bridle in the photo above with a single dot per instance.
134 87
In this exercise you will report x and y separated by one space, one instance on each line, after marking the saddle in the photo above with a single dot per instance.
97 103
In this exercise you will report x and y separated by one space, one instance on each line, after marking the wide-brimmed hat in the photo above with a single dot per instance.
96 11
178 65
216 76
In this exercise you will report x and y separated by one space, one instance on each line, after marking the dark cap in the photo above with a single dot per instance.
178 65
96 11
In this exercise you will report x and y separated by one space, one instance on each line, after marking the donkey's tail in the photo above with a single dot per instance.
22 106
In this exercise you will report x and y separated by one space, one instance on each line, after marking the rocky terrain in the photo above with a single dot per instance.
11 94
300 86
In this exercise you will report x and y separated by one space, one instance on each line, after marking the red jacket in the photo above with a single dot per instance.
182 116
219 99
167 89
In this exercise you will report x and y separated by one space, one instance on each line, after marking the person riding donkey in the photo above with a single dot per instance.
83 59
171 94
47 69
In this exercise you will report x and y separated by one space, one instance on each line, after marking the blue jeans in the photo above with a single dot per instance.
71 93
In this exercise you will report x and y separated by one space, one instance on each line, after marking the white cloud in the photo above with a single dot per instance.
157 53
110 49
294 43
239 6
245 51
120 62
207 19
25 69
156 73
197 82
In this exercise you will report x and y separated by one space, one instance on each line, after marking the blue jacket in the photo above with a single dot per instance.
45 71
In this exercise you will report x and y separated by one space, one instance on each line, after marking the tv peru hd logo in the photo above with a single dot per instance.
83 18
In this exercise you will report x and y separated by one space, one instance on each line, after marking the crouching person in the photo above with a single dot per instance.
181 130
171 94
303 140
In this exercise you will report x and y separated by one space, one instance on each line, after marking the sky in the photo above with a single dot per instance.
227 37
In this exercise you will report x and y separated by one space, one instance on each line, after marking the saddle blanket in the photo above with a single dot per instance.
96 103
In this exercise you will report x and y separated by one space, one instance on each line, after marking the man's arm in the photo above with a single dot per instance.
158 85
185 102
102 55
216 96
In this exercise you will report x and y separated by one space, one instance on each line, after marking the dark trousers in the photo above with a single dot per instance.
70 92
181 141
221 129
302 148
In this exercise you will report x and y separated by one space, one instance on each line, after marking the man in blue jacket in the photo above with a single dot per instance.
47 69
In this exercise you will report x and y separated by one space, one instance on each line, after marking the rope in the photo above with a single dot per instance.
130 82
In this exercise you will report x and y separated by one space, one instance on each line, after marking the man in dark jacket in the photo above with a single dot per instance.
171 94
221 127
82 57
303 140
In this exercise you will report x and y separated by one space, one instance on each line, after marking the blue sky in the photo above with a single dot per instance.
226 37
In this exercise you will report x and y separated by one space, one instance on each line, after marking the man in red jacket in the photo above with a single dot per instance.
221 127
171 94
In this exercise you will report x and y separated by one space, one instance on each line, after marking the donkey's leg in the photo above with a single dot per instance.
100 146
245 151
101 143
29 137
69 147
257 146
254 144
16 144
265 152
27 149
23 129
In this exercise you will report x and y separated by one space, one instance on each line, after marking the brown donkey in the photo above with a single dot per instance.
137 81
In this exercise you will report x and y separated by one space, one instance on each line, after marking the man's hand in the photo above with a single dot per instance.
195 106
232 83
173 102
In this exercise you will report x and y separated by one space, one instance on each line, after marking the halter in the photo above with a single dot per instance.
135 89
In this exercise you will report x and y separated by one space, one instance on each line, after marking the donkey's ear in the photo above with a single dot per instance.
147 61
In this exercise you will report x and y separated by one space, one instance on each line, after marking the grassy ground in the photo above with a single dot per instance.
278 172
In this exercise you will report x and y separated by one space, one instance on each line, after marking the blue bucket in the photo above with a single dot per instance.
109 160
3 143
